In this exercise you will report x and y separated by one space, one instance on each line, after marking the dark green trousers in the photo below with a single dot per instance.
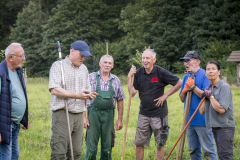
101 125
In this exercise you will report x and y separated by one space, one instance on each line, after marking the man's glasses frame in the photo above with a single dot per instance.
19 56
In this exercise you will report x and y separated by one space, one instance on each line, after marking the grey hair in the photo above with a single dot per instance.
11 49
106 55
152 51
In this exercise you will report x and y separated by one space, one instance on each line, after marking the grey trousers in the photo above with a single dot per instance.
60 139
224 141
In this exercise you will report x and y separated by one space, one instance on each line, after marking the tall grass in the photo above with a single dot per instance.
35 142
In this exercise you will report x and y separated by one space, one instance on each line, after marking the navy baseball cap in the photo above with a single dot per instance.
82 47
190 55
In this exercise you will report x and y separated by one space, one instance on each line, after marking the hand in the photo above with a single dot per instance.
160 100
118 125
190 82
207 93
27 126
92 95
86 122
189 85
132 71
85 95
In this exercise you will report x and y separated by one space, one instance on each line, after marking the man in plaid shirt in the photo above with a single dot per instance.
100 120
76 92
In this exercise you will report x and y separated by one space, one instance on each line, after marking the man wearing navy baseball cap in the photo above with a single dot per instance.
82 47
76 92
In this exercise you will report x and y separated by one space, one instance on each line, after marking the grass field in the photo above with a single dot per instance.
35 142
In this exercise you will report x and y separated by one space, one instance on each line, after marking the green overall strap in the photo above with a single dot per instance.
98 86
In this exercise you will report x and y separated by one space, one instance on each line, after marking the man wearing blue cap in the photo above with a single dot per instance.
76 92
198 135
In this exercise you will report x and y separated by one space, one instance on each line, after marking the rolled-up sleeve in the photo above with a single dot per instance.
120 93
225 96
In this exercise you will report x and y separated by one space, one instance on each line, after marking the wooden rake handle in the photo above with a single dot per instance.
195 112
129 104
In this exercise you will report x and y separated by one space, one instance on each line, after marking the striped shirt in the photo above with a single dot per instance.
119 95
76 80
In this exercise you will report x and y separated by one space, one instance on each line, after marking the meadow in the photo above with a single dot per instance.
35 142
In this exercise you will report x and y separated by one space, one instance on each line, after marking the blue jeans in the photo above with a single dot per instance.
11 152
201 136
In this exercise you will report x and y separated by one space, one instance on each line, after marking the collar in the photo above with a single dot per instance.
110 75
219 83
67 60
195 74
152 71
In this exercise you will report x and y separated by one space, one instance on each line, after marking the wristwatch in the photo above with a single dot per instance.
211 97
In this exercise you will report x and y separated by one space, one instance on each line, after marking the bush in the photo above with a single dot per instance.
2 55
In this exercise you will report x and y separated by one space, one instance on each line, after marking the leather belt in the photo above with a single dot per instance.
60 110
63 110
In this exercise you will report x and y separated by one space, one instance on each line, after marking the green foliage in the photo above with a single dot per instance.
115 50
9 10
27 31
178 67
90 21
213 20
171 28
167 32
136 20
137 58
220 51
2 55
8 15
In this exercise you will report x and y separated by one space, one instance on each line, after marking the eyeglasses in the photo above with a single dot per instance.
187 61
82 56
19 56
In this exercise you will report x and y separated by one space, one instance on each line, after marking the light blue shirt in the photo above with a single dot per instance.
18 97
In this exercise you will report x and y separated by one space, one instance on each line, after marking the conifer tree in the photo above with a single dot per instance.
27 31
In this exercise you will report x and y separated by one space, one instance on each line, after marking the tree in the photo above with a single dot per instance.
27 31
8 15
116 50
168 31
90 21
9 10
2 56
213 20
136 20
220 51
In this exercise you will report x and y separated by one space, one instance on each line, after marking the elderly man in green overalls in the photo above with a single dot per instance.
100 120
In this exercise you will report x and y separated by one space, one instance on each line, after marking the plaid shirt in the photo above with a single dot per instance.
119 95
76 80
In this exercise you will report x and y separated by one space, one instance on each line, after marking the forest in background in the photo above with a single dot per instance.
171 28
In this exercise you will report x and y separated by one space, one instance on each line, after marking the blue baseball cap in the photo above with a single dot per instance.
82 47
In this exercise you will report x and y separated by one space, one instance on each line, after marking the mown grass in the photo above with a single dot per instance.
35 142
